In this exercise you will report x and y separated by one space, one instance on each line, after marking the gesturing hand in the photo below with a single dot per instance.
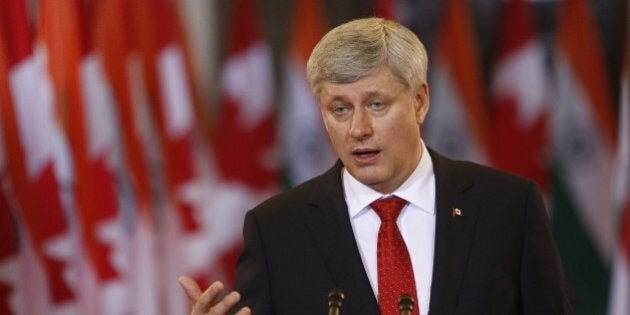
205 303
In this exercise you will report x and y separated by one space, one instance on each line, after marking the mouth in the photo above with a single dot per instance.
363 156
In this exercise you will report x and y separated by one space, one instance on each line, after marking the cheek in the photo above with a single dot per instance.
335 133
402 136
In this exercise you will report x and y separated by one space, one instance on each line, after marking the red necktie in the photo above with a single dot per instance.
395 273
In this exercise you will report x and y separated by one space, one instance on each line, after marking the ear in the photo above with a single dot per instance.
422 102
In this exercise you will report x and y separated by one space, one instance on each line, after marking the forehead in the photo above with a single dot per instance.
381 82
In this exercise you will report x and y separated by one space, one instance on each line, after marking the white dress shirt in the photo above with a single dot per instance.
416 223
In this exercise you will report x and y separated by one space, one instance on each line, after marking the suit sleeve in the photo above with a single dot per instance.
543 284
251 270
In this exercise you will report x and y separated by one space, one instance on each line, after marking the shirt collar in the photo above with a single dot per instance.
418 189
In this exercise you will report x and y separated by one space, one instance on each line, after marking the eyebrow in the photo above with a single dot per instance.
364 96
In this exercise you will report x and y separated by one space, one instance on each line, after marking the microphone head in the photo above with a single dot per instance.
335 297
405 302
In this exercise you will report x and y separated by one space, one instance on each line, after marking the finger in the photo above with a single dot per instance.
244 311
226 303
204 302
191 288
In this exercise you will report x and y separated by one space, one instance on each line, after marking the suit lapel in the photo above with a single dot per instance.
329 224
453 236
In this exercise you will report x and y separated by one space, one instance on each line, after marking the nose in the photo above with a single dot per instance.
360 125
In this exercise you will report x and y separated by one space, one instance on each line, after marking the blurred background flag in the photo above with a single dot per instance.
306 148
244 137
135 134
520 104
457 124
182 173
583 131
37 158
113 48
82 100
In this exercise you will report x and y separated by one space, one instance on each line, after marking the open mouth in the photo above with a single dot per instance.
365 154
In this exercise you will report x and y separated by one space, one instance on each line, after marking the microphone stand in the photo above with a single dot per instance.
335 299
405 304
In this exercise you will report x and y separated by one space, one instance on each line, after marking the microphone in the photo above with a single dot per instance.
335 298
405 304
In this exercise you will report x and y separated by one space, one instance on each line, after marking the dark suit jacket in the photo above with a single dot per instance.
498 257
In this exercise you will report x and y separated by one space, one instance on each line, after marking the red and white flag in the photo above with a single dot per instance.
185 193
520 141
120 62
457 123
306 149
38 165
244 139
82 97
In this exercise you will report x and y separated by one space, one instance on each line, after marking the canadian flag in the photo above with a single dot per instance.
244 139
305 145
37 162
457 123
185 190
120 63
82 97
520 141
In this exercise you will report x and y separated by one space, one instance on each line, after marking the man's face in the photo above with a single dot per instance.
374 127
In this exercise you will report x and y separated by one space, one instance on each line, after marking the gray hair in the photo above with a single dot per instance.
354 50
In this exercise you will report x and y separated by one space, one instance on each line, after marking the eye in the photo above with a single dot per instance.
340 109
377 105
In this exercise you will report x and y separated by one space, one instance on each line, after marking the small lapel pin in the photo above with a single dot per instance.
457 212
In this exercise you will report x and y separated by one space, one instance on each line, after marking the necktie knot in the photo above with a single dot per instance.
388 208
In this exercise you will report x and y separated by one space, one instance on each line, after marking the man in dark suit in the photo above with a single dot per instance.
391 217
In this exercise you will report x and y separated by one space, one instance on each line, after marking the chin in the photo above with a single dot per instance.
369 178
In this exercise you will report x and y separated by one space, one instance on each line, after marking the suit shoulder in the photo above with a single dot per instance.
499 179
291 201
494 173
